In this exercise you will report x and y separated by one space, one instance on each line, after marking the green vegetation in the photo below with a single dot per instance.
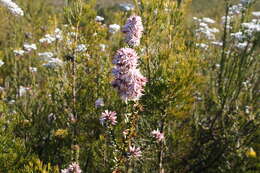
72 99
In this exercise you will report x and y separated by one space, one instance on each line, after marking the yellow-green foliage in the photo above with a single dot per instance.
36 166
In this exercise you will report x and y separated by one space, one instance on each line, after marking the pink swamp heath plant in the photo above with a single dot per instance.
108 117
73 168
133 30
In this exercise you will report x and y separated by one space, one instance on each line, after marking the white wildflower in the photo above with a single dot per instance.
114 28
58 34
238 35
126 6
217 43
99 19
46 55
252 27
236 9
19 52
256 13
47 39
33 69
102 47
208 20
29 47
247 110
53 63
72 34
12 7
81 48
242 45
202 45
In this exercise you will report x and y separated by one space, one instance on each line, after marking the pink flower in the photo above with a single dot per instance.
108 116
157 135
128 79
135 151
73 168
130 85
133 30
126 58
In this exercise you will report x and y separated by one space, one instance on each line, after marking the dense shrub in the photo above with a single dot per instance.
167 94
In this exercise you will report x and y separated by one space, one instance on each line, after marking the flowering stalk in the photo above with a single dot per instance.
129 83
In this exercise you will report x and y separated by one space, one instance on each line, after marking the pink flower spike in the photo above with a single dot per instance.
133 30
128 79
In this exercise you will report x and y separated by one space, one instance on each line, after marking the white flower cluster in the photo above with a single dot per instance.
99 19
12 7
81 48
236 9
113 28
204 29
33 69
50 38
102 47
238 36
126 6
252 27
256 14
29 47
45 56
202 45
51 62
217 43
19 52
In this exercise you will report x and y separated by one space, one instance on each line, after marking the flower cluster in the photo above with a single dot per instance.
113 28
128 79
13 7
204 29
99 19
73 168
126 6
133 30
29 47
135 151
157 135
50 38
256 13
108 116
